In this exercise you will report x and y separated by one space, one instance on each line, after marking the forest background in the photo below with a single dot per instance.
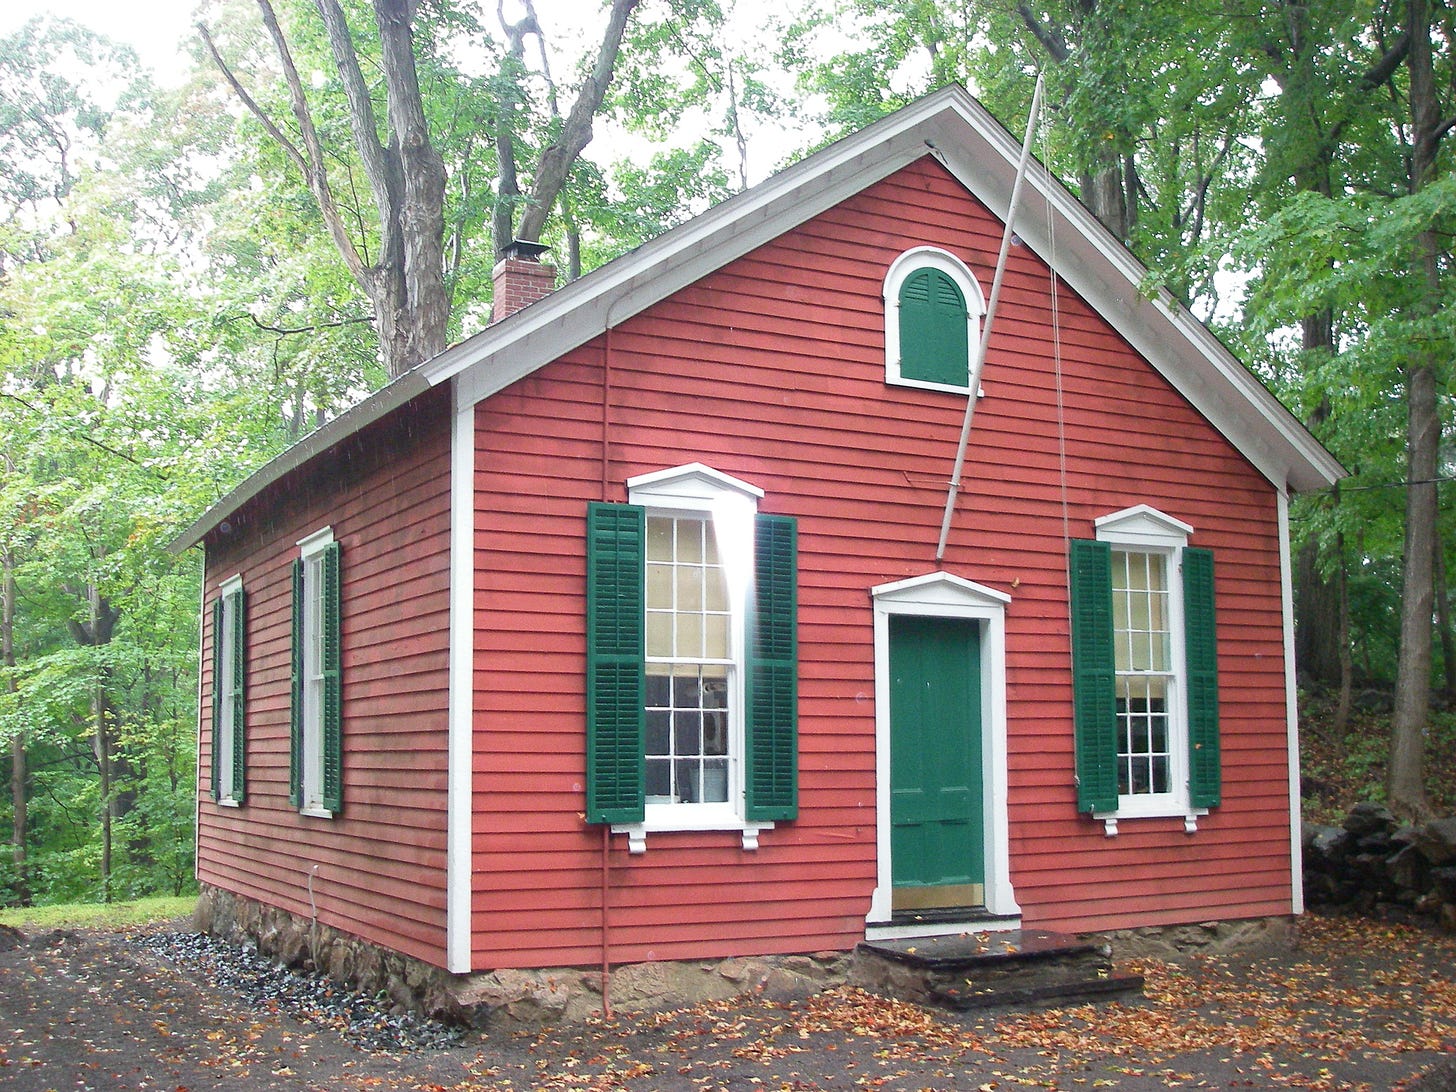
197 271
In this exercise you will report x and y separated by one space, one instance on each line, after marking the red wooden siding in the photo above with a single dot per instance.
772 370
378 868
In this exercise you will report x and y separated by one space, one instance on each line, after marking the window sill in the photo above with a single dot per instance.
1190 817
706 820
894 379
316 812
228 803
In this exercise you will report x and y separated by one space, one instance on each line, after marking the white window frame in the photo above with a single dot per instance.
1144 529
908 263
230 593
729 506
311 717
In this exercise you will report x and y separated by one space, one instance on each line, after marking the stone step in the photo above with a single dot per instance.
1016 968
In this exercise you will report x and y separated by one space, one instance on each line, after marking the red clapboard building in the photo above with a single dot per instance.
627 611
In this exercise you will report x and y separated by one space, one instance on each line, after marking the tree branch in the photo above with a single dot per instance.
285 330
557 160
290 149
383 182
1051 40
314 171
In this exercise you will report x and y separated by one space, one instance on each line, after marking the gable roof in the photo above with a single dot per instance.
983 156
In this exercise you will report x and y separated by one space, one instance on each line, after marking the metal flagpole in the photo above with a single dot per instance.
980 360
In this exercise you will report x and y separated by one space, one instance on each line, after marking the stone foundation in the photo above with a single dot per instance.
312 948
504 998
1172 942
532 998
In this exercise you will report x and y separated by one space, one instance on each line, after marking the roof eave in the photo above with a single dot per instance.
382 402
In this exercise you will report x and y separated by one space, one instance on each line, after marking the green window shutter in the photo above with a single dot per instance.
332 796
1094 676
771 756
934 343
295 720
240 685
216 696
616 677
1204 776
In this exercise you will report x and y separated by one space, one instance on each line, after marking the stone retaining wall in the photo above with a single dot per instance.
1373 865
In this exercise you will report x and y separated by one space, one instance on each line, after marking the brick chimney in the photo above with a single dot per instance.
520 278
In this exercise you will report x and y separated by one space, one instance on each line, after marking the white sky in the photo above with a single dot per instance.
161 31
154 28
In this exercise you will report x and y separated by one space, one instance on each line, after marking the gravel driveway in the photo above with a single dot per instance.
1358 1004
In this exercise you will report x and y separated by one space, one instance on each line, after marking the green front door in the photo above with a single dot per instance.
937 843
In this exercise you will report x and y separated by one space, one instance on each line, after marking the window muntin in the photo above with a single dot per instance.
692 694
1146 679
228 680
313 681
315 762
1157 659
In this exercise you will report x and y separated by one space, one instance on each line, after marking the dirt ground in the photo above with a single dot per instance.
1357 1004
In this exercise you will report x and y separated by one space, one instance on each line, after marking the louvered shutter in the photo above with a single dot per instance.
240 681
332 795
295 720
934 340
1094 676
615 663
1204 774
772 744
217 622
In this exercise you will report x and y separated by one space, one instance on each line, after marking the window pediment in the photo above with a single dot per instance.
693 485
1143 525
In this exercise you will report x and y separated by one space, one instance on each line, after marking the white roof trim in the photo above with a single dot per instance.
983 156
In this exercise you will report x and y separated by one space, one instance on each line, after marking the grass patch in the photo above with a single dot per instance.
96 915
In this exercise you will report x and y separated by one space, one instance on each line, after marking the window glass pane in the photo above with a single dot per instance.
658 724
659 778
659 587
715 733
689 636
715 637
659 634
715 780
658 686
689 588
690 541
687 732
659 539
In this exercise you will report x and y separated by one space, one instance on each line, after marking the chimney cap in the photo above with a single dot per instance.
524 249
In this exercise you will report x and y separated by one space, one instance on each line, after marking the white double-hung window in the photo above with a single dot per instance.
1145 667
315 766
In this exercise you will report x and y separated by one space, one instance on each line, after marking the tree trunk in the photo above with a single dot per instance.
18 803
1316 615
1405 788
1347 665
1443 622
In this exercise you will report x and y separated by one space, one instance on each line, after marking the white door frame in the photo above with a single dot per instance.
941 595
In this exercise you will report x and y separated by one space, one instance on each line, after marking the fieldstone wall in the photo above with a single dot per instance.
311 948
506 998
1374 865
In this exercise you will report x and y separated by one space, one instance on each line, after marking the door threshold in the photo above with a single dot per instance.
940 923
